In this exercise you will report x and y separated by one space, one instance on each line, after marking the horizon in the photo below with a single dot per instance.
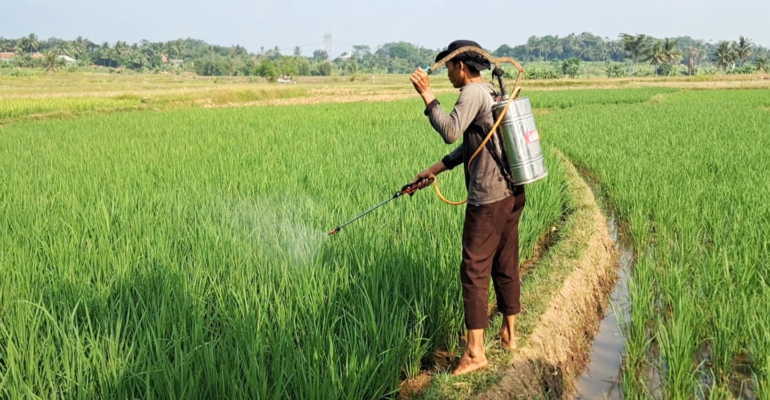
352 23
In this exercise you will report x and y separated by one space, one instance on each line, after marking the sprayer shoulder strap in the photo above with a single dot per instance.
499 158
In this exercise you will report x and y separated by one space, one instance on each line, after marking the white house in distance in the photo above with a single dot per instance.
66 58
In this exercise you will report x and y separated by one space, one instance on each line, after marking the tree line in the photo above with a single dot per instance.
566 53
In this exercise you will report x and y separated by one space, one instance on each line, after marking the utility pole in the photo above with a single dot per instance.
328 44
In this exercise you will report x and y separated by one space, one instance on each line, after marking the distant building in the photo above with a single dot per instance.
346 56
66 58
176 63
164 58
5 57
36 56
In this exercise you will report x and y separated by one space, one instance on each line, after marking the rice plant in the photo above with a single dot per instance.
182 254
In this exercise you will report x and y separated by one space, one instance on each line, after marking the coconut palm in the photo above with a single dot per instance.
636 46
51 61
657 54
762 65
107 53
724 55
79 46
743 49
62 48
615 48
695 54
672 51
32 43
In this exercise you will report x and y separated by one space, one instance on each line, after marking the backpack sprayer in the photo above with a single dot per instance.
516 125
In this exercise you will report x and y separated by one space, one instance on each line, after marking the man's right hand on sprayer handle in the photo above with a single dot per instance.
424 177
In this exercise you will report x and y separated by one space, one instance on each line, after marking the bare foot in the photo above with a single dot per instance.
508 339
470 364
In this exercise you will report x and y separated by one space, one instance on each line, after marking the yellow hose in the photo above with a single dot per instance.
513 96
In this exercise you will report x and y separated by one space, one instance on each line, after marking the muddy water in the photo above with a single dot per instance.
601 379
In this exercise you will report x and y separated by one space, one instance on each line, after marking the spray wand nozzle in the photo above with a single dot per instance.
410 189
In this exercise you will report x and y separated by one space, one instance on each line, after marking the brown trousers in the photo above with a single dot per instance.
491 248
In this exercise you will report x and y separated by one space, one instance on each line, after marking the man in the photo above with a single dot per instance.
490 240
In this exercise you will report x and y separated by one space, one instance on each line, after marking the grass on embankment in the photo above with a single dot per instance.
579 244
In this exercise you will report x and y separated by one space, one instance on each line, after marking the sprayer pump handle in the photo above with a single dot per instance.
410 188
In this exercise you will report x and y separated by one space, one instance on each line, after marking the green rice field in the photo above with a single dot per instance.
183 253
688 174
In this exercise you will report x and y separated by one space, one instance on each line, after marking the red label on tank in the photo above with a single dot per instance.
532 136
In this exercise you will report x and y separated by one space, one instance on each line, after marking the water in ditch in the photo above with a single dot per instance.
601 379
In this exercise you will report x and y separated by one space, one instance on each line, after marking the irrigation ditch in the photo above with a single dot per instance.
557 352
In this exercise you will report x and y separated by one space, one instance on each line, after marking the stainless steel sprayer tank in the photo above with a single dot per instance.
521 140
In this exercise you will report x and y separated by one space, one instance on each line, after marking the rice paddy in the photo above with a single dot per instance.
182 253
688 176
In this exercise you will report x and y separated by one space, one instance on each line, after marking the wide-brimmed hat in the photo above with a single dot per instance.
471 58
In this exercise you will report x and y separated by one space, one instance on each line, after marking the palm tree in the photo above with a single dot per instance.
22 45
615 48
724 55
62 48
762 65
79 46
571 45
32 43
177 47
636 46
657 55
743 49
51 61
107 53
694 55
672 51
558 47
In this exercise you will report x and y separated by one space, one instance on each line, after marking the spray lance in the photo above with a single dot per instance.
409 189
514 123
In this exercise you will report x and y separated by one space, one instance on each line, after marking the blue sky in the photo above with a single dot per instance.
430 23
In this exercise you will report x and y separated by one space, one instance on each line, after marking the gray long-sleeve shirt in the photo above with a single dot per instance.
472 119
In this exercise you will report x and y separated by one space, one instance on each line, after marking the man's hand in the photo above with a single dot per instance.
424 178
420 80
421 83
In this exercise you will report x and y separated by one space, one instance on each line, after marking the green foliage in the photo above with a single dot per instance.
636 46
724 55
744 70
20 73
743 49
214 66
614 70
267 70
666 69
182 254
323 69
394 57
571 67
693 199
762 65
51 61
538 73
